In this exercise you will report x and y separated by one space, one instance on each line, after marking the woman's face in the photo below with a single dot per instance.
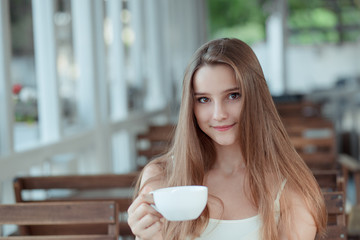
217 103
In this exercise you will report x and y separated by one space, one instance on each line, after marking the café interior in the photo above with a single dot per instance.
90 92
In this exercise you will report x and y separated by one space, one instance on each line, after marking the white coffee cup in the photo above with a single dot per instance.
180 203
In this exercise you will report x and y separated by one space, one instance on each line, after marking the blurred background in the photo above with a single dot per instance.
80 80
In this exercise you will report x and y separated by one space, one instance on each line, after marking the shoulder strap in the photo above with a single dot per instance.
277 200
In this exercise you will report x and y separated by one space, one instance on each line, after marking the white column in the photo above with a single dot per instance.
166 51
119 98
93 98
6 101
155 95
177 68
137 63
276 45
121 152
84 52
46 70
191 27
202 21
85 19
123 159
188 30
102 116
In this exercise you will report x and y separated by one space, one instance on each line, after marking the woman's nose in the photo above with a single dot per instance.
220 112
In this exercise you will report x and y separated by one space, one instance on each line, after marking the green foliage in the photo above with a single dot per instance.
314 37
25 111
319 21
352 15
317 17
238 18
309 21
297 5
230 13
250 33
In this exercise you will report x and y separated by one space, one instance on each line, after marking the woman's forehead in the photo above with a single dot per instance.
214 78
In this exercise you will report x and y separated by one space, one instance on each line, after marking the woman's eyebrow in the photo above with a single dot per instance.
225 91
200 93
232 89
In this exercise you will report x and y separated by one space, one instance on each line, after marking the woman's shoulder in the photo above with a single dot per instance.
297 201
300 220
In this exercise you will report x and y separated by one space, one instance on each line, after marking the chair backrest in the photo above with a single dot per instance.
298 109
114 187
297 127
335 206
62 214
154 142
330 180
318 153
314 140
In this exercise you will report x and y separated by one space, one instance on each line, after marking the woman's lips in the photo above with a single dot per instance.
223 128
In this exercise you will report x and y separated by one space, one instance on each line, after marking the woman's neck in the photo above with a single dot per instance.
228 159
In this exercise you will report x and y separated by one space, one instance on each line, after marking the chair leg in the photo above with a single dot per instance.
1 201
354 222
357 186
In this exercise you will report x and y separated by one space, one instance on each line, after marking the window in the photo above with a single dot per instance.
24 88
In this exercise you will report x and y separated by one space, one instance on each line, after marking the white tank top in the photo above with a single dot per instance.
243 229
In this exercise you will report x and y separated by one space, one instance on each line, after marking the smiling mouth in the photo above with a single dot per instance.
223 128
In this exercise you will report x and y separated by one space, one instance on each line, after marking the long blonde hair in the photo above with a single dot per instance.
266 148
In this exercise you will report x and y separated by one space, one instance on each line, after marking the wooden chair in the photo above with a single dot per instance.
354 223
312 135
62 214
114 187
297 127
330 180
153 143
298 109
317 153
351 166
315 141
335 205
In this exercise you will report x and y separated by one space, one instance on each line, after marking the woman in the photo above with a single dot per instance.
230 138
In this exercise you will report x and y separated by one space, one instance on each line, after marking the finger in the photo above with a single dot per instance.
142 198
147 226
148 220
154 229
142 224
140 212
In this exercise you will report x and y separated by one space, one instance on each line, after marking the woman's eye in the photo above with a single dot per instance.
203 100
234 95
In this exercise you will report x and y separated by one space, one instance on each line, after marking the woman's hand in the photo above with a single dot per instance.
145 222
